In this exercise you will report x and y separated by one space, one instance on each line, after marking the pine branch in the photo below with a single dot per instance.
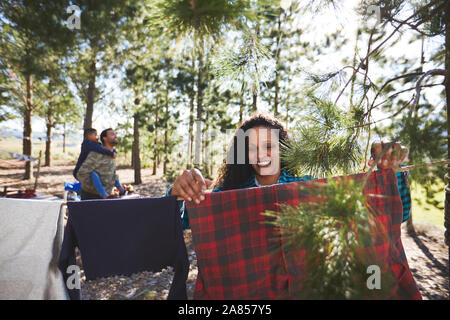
332 227
322 144
384 41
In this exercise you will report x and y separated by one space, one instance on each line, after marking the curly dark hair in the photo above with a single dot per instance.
232 176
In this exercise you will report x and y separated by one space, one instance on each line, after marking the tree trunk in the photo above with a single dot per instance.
206 152
27 130
447 93
166 157
48 145
155 146
135 153
200 84
166 132
287 116
48 141
198 140
191 131
241 103
241 107
90 95
410 221
277 69
255 93
64 139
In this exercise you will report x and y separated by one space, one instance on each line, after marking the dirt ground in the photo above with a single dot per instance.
425 249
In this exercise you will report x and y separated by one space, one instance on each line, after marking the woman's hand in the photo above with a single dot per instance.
392 158
191 186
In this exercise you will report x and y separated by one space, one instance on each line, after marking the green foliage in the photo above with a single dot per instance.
323 144
123 130
98 46
5 115
433 17
171 174
30 30
332 228
201 17
244 67
427 141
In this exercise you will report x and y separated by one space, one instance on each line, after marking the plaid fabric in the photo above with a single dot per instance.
250 183
284 178
237 252
287 178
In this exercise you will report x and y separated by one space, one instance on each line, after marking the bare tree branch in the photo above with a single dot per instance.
385 40
413 74
406 90
440 72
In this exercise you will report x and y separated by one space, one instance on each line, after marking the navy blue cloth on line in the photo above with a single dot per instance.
125 236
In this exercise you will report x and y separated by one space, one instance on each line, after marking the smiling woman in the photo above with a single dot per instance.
253 160
261 135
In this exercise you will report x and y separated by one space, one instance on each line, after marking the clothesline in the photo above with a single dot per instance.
421 165
122 224
21 157
407 168
123 237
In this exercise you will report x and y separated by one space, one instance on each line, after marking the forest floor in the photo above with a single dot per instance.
425 249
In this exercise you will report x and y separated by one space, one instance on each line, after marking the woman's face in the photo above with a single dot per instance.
264 150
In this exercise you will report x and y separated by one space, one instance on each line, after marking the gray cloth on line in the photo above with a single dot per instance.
31 233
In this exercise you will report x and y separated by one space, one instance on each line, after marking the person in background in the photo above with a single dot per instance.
97 173
90 143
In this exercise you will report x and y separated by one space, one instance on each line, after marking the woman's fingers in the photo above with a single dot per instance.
180 192
395 156
198 178
190 185
180 186
188 189
208 183
199 185
392 158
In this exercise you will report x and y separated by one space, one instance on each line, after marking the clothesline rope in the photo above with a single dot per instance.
406 168
420 165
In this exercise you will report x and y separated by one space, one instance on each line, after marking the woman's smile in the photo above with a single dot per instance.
264 164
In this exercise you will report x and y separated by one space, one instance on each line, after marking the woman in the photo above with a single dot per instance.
254 160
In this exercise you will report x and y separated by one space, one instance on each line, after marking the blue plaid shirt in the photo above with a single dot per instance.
403 188
405 193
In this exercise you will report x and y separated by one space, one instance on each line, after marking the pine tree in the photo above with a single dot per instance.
102 26
31 30
202 22
184 85
333 139
58 103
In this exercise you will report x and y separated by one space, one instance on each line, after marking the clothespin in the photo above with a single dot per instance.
64 203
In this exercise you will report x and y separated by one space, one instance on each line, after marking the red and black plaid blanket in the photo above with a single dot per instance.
238 258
